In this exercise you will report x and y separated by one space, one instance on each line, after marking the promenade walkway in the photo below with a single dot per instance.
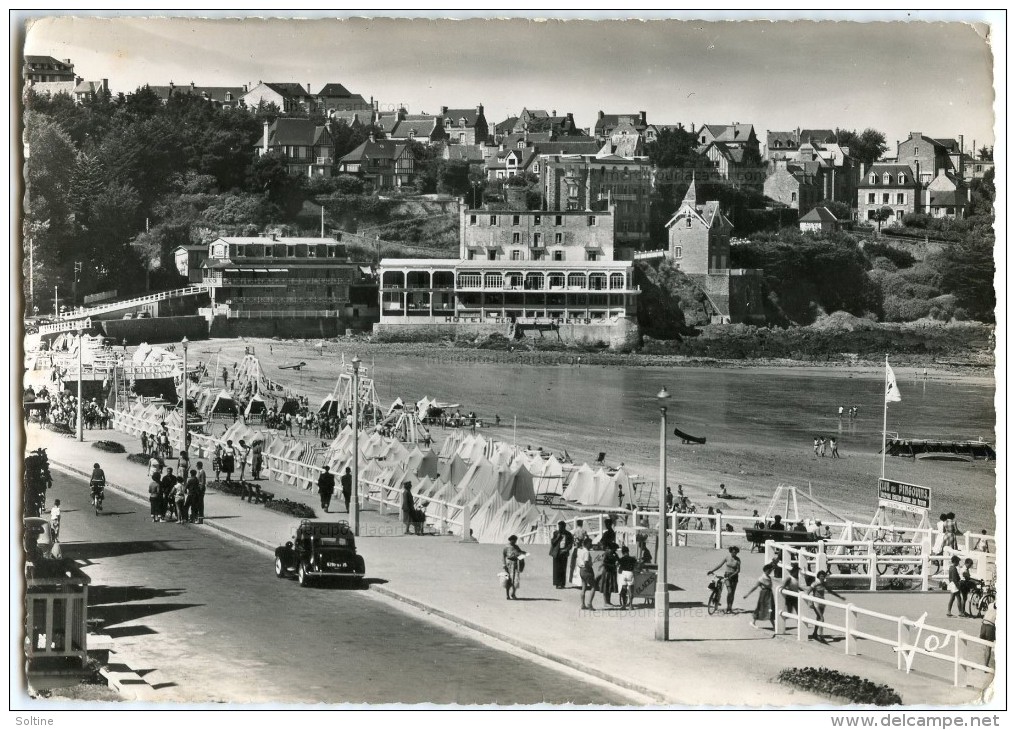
710 660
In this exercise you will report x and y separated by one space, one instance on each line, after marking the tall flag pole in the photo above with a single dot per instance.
892 393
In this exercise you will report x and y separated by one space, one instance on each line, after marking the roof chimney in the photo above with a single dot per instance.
961 144
68 61
372 136
245 88
192 85
479 110
264 138
553 112
599 114
642 117
444 110
105 84
171 84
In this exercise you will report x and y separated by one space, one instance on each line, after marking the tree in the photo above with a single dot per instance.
968 270
674 148
882 215
660 311
270 176
838 209
986 153
867 147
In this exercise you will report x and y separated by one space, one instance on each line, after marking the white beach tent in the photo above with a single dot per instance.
582 486
548 477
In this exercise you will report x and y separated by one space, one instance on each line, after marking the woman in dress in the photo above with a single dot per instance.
764 607
512 557
217 461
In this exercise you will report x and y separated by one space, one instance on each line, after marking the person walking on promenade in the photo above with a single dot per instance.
967 582
514 559
244 451
228 461
190 502
347 487
835 448
620 496
155 497
166 487
988 631
225 377
560 551
326 487
578 538
608 581
154 466
584 562
179 497
954 587
198 513
626 565
144 443
819 589
408 506
183 463
54 519
817 445
609 537
257 460
217 461
791 582
764 607
731 569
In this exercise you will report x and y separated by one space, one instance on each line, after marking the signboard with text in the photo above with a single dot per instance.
903 496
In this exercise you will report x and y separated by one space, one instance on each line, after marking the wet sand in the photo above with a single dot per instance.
759 418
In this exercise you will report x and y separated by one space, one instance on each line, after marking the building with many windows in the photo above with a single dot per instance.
272 277
891 186
306 148
519 272
536 235
592 181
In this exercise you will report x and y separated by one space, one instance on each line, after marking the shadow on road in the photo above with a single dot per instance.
118 613
98 595
96 550
116 514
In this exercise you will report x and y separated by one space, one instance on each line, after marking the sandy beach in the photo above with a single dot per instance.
759 416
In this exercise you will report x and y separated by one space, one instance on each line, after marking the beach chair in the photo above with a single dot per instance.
600 459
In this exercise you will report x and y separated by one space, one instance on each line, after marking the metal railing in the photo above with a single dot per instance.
129 303
279 314
65 326
902 634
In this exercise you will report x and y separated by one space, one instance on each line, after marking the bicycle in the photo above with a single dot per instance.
98 494
980 598
715 592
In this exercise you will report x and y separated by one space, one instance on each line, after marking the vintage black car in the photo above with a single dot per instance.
320 550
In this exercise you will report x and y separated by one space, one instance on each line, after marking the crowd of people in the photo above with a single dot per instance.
63 409
178 497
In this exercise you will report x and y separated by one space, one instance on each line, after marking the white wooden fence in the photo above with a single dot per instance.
907 638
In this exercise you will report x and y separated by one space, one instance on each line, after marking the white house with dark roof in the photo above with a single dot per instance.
784 145
946 197
47 69
887 185
819 219
290 98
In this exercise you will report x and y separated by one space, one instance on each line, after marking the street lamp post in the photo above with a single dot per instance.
81 376
356 446
662 595
184 343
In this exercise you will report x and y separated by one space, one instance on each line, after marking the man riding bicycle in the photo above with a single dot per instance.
731 569
98 485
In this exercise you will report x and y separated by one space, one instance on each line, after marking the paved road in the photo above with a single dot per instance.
211 616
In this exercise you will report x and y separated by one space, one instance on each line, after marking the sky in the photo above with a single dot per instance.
897 77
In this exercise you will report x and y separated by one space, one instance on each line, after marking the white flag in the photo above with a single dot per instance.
892 392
